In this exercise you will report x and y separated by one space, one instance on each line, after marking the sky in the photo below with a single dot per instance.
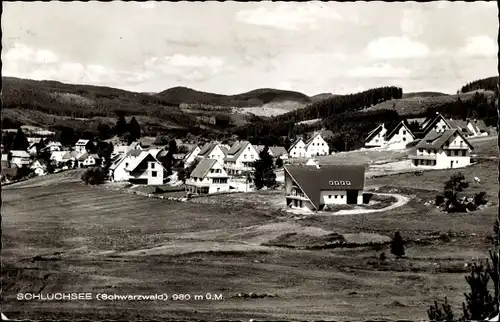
233 47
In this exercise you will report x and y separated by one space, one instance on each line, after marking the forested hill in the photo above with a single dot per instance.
337 104
253 98
487 84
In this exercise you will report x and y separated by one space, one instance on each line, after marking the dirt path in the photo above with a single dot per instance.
401 201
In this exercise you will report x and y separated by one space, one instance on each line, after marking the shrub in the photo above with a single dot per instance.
440 312
94 176
382 258
480 199
397 245
439 200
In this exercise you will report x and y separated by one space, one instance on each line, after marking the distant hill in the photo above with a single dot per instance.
53 104
320 97
423 94
418 104
255 98
488 84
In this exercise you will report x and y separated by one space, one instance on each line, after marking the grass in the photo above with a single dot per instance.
216 248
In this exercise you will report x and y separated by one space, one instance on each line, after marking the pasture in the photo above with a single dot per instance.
62 236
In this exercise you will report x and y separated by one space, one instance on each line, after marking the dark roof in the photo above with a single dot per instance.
312 180
206 149
431 124
436 140
295 143
396 128
480 125
460 125
237 149
277 151
202 168
134 152
83 157
374 132
419 120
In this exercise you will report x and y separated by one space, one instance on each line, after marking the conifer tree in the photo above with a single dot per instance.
397 245
264 175
20 141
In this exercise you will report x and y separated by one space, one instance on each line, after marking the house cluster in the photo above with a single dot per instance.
440 143
316 145
224 168
401 135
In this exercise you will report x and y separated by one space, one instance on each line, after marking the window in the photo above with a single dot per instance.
456 152
245 156
404 139
404 132
342 183
348 183
336 183
463 153
154 173
341 196
126 164
152 165
336 196
329 196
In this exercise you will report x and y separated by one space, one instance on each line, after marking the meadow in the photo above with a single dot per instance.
60 235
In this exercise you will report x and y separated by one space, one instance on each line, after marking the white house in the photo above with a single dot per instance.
191 155
297 149
461 126
58 156
212 151
81 146
20 158
146 169
117 169
209 176
438 124
88 160
399 137
313 187
240 158
376 138
69 156
37 167
278 152
442 150
54 146
477 127
316 145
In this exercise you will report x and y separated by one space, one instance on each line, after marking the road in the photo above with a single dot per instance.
401 201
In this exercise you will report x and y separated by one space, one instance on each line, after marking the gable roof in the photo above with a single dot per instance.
136 162
436 119
295 143
83 157
315 135
479 125
134 152
436 140
202 168
68 154
374 132
312 180
460 125
396 128
277 151
206 149
236 150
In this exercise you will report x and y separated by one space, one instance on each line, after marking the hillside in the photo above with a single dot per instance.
418 104
255 98
488 84
83 107
423 94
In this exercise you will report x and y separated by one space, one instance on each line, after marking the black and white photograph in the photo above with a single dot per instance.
250 161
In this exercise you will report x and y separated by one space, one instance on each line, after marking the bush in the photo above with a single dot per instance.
439 200
397 245
480 199
94 176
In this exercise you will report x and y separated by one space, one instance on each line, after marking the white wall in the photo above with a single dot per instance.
298 150
441 126
378 140
317 147
400 139
328 197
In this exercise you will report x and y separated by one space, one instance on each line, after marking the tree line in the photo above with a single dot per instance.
488 84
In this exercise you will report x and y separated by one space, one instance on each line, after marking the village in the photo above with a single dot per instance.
306 171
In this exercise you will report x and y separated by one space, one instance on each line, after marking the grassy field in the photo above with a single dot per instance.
103 241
